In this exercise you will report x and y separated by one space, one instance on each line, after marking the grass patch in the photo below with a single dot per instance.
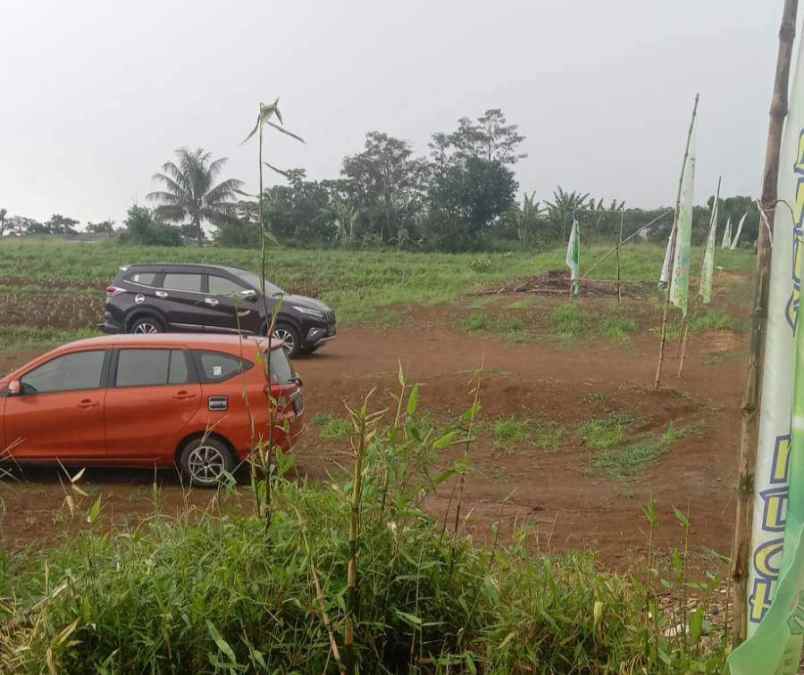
712 320
548 435
525 303
511 431
618 327
332 428
510 328
569 320
605 432
15 338
627 462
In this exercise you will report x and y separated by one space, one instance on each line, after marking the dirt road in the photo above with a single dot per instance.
569 504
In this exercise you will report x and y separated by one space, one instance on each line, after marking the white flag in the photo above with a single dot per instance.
573 258
736 239
664 276
726 235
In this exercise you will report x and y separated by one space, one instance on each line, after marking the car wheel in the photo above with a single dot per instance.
290 336
144 325
205 461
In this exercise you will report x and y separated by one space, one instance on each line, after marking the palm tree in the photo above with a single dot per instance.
189 191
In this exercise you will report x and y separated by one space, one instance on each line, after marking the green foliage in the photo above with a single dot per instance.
569 320
143 228
216 593
510 431
712 320
627 462
332 428
605 432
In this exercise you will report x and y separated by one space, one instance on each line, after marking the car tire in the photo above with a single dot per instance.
287 333
206 461
146 324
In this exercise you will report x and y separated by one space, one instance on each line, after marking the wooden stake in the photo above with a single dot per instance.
684 333
619 245
741 550
658 379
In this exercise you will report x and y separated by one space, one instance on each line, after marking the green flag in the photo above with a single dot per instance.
573 258
680 282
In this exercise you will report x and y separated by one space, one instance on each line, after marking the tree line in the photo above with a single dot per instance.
462 195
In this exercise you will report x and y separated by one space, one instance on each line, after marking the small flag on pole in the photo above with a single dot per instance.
708 266
680 282
736 239
726 243
574 256
664 277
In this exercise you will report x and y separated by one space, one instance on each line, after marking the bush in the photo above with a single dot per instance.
144 229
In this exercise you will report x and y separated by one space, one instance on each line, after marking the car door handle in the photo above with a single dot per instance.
87 403
211 301
181 395
161 294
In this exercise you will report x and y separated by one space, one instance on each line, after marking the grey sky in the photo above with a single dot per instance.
95 95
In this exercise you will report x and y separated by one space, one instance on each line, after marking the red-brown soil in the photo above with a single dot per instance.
569 505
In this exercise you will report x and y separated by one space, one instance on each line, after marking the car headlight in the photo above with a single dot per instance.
309 311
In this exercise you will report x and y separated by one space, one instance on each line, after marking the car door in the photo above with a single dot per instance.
59 412
182 301
231 309
152 397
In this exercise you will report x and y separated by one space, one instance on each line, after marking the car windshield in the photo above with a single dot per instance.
254 281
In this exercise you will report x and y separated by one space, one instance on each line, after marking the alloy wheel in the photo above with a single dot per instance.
206 464
287 337
145 327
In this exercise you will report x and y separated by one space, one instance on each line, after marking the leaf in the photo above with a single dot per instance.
70 504
410 619
220 642
286 174
446 440
413 400
681 518
401 375
597 613
78 476
696 624
94 511
79 491
285 131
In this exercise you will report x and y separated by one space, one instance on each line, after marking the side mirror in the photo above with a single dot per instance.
249 294
14 388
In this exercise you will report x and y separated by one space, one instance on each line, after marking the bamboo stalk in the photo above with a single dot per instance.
619 246
752 394
658 379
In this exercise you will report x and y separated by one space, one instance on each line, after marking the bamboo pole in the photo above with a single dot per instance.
658 379
684 334
619 245
751 402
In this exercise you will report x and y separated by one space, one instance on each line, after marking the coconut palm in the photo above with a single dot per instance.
190 193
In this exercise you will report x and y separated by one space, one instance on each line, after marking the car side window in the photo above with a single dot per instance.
71 372
222 286
144 278
219 367
182 282
151 367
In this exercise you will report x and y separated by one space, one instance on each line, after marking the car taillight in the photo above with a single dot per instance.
111 291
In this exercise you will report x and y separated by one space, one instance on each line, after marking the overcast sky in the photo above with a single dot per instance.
95 95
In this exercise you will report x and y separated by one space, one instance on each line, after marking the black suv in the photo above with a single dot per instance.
211 299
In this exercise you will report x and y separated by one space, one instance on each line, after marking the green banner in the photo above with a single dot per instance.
708 266
775 646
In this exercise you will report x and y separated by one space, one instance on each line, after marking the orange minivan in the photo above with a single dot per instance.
199 402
